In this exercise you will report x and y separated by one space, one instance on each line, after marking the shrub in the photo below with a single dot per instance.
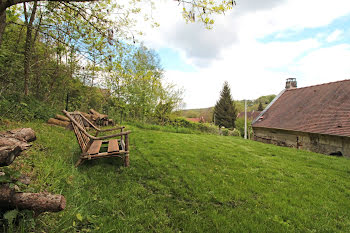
25 109
234 132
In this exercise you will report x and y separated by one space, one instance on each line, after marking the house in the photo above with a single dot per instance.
250 115
315 118
196 120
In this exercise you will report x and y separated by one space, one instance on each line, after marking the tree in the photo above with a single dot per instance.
193 10
260 107
225 111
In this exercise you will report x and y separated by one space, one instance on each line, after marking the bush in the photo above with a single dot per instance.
234 132
179 125
25 109
240 126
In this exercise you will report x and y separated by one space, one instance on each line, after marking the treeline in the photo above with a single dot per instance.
60 55
207 113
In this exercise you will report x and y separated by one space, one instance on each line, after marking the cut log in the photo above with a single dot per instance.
8 154
4 141
24 134
86 115
54 121
111 122
98 115
61 118
39 202
89 117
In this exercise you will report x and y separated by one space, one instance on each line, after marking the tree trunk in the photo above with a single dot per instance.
39 202
2 23
28 47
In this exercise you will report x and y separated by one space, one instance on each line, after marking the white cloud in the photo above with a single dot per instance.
233 52
334 36
325 65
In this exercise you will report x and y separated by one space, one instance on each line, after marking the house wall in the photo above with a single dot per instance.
324 144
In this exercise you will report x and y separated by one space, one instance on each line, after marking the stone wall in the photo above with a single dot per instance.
320 143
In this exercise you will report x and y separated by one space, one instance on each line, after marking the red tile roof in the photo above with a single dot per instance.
250 115
197 120
323 109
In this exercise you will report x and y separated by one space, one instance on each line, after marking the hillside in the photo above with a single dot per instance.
188 183
207 113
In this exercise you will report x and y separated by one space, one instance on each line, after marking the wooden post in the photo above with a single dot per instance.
126 158
245 119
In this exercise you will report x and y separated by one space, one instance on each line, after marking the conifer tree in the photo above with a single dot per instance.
260 107
225 111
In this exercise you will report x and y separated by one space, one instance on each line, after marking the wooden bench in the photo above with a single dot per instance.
93 147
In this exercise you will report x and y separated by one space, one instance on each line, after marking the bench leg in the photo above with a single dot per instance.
80 161
126 160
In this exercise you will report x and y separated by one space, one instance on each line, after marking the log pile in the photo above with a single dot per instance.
93 116
12 143
59 120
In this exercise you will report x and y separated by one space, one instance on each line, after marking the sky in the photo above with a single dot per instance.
255 47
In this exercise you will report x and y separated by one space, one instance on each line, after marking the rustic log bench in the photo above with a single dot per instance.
94 147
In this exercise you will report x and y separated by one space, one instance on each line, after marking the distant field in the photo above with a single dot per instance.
188 183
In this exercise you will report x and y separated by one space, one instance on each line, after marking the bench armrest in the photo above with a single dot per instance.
111 136
106 130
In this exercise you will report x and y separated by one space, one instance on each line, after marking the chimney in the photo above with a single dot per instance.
291 83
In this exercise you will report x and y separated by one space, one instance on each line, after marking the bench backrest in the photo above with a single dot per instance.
77 120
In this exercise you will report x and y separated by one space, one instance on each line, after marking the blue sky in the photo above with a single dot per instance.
172 60
255 48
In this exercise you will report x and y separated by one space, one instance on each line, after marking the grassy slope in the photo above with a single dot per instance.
190 183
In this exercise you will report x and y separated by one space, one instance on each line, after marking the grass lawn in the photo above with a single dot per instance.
188 183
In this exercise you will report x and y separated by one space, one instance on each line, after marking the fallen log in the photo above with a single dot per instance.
39 202
61 118
54 121
8 154
23 134
5 141
98 115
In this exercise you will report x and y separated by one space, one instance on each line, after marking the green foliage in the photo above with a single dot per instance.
163 112
25 109
224 111
180 125
204 10
255 104
130 83
206 113
240 127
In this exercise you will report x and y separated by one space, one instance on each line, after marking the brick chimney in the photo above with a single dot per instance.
291 83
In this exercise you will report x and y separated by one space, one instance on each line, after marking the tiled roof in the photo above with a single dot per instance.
200 119
250 115
323 109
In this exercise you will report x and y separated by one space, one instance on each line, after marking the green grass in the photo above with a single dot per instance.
188 183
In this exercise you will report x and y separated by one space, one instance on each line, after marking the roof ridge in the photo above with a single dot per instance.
318 85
